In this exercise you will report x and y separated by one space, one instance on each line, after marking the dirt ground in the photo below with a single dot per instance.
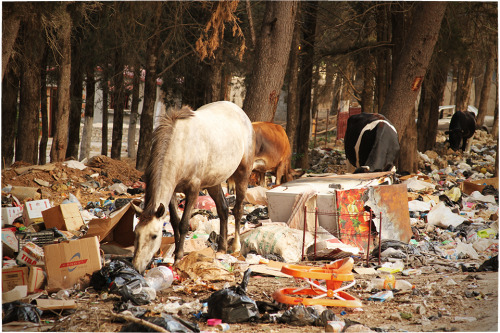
444 298
438 296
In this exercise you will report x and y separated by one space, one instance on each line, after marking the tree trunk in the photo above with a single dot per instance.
453 92
250 23
315 90
368 85
89 114
428 111
214 86
59 141
292 105
305 83
105 120
464 84
336 95
75 116
485 91
10 91
494 130
408 147
432 94
42 152
147 116
270 61
134 111
119 101
383 56
29 108
400 100
10 28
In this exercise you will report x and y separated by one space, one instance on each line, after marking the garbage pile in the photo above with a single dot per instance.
67 238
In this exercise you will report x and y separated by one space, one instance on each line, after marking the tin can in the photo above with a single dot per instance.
223 327
335 326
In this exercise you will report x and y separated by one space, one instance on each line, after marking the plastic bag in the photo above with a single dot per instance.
301 315
232 305
19 311
121 278
489 265
442 216
258 214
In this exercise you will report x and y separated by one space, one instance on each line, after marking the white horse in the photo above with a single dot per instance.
194 150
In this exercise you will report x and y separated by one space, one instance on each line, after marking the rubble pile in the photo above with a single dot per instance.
67 239
327 160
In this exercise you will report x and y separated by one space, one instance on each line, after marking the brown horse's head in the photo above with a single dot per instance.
148 235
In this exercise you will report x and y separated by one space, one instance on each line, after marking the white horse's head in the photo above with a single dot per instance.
148 235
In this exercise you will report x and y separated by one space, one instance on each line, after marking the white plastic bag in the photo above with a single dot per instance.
442 216
414 184
419 206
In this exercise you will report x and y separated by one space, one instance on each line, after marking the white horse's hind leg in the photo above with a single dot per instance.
222 210
241 176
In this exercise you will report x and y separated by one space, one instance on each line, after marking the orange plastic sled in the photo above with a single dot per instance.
333 274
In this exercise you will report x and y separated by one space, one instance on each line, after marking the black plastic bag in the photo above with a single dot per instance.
168 322
19 311
121 278
232 305
301 315
258 214
490 265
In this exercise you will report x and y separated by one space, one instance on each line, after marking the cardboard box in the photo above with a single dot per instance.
10 244
9 214
118 228
478 185
66 262
32 212
33 277
63 217
12 277
30 254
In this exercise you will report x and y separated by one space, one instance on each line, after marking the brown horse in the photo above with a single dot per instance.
193 150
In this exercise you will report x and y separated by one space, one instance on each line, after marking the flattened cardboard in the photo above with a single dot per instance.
32 212
9 214
66 262
63 217
119 227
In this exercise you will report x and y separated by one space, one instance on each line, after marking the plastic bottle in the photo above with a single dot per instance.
159 277
389 282
397 284
403 285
